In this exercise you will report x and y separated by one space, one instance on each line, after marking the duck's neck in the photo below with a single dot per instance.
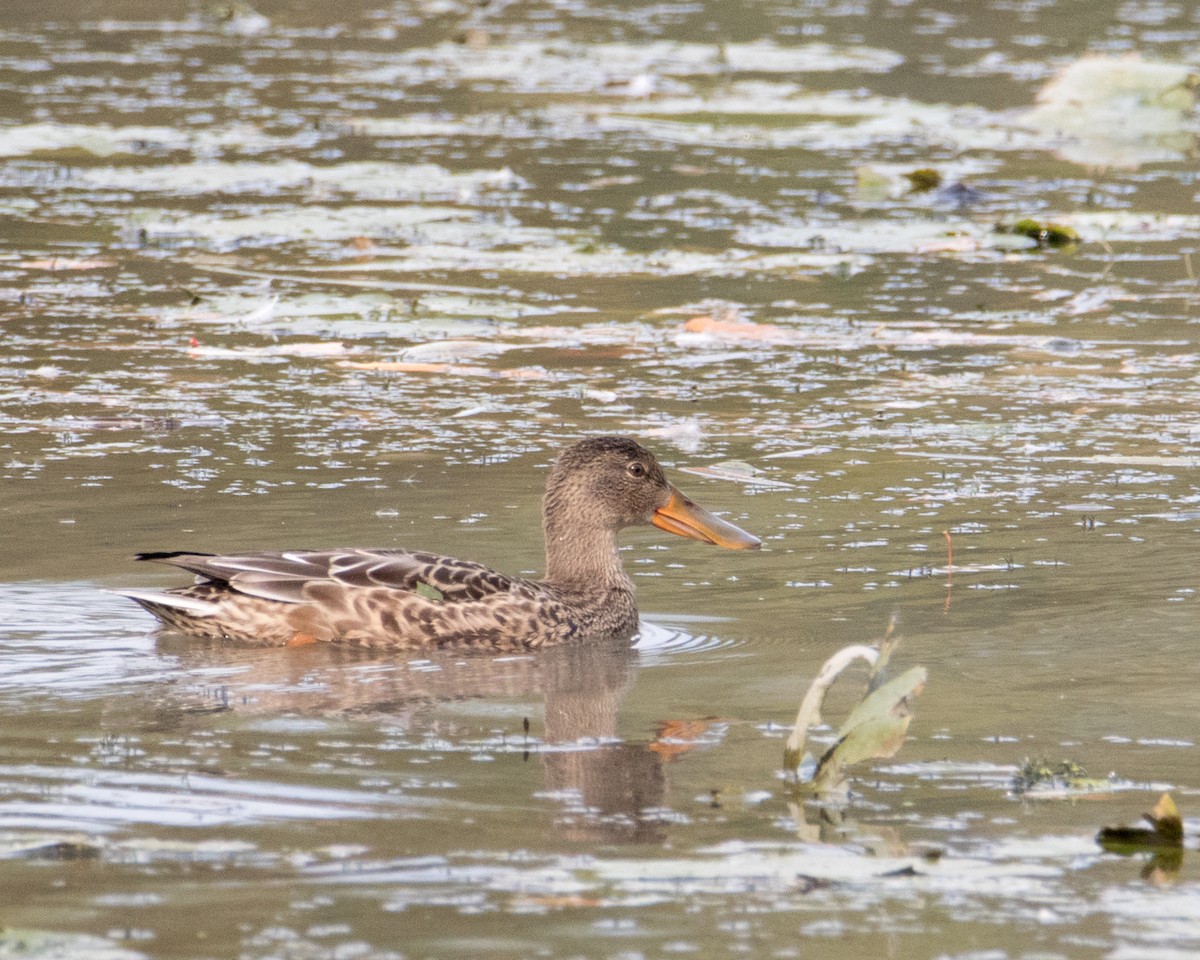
583 558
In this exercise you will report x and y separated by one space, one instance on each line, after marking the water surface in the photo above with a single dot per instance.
310 277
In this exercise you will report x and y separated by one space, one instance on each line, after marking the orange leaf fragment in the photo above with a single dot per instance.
735 329
675 737
959 244
558 901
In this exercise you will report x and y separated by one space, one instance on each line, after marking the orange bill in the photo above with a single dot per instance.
687 519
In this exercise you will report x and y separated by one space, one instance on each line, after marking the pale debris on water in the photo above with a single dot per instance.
633 70
449 369
738 471
1118 111
327 349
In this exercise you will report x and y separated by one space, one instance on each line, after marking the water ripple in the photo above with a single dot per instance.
658 642
44 797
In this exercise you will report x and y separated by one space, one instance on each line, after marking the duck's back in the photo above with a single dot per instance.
388 599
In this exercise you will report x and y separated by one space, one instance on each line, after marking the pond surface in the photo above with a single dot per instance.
320 275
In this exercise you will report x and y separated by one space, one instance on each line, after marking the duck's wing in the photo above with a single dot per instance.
286 577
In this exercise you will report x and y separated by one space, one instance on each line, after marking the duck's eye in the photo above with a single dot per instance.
637 469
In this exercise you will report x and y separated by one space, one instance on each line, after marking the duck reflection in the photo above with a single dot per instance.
607 786
615 782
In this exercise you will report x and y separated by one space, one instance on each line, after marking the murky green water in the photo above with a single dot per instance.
353 275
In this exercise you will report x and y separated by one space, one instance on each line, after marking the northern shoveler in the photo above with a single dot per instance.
407 598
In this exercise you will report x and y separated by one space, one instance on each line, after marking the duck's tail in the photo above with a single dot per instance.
175 610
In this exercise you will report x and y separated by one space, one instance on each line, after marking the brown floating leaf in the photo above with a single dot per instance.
924 179
1165 831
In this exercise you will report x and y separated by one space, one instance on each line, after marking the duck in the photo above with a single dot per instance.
410 599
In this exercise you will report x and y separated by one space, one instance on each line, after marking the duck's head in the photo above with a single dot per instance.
608 483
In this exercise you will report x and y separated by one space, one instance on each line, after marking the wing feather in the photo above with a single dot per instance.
292 576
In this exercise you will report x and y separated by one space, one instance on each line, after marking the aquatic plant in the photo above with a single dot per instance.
876 727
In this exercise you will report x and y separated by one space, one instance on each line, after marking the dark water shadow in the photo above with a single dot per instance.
607 785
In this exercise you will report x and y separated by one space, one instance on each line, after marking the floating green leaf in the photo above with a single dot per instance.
888 698
1044 234
1040 779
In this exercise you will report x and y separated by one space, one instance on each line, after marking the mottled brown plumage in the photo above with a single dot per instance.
405 599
